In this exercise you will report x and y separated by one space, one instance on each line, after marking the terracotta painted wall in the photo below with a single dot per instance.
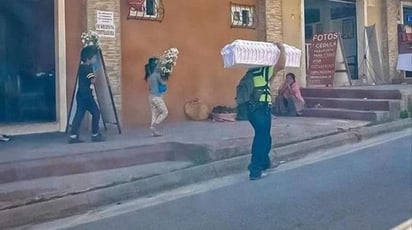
199 29
75 22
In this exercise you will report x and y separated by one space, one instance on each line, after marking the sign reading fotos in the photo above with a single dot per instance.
322 59
326 59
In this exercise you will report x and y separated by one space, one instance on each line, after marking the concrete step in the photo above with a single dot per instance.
84 162
374 116
90 161
351 93
28 192
352 103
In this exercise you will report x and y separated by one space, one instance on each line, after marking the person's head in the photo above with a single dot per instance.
87 54
290 78
150 66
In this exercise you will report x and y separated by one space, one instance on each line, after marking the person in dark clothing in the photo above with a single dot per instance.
84 97
259 116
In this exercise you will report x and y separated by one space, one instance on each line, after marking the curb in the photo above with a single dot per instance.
80 203
350 136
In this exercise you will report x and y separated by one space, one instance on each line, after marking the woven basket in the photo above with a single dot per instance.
196 110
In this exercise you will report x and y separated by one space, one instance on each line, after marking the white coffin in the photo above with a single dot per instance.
248 54
292 55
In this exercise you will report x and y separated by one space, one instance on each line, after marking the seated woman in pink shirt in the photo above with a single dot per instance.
289 102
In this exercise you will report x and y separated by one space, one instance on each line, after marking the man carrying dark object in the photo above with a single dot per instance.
84 97
259 114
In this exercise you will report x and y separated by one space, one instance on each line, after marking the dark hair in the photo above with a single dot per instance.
150 67
87 53
292 75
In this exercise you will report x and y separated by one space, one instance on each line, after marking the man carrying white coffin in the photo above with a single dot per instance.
253 92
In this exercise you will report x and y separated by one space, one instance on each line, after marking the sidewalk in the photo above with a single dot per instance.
284 130
42 177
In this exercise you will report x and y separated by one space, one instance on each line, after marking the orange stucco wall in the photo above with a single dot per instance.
199 29
74 27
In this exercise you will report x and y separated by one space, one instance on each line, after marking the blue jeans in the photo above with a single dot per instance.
261 121
83 105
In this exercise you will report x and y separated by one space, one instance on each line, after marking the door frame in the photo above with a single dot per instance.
403 3
61 92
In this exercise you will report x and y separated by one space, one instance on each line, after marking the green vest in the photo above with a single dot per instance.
261 78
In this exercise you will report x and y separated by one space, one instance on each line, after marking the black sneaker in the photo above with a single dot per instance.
4 138
74 140
97 138
263 174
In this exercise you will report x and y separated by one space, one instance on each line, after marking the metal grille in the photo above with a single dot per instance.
146 10
243 16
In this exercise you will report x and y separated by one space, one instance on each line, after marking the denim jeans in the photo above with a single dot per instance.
83 105
261 121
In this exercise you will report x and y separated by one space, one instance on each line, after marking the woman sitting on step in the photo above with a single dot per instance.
289 102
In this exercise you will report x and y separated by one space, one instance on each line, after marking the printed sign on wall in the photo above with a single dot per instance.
105 24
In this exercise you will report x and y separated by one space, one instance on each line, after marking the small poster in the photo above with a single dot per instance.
323 58
105 24
404 39
327 64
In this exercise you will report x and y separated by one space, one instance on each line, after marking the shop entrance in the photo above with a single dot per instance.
27 61
324 16
407 20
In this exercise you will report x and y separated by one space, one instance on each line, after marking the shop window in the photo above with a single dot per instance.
312 16
343 12
243 16
146 10
308 32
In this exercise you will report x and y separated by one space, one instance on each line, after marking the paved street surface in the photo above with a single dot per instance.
366 186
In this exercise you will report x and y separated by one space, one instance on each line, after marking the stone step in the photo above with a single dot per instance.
98 160
352 103
84 162
28 192
374 116
351 93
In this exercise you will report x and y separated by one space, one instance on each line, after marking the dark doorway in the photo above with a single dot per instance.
325 16
27 61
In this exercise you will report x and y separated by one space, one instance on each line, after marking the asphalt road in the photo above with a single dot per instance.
370 188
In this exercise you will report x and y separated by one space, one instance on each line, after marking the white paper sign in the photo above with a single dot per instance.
105 24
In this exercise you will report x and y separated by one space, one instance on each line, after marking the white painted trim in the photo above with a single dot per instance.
343 1
362 19
61 97
401 10
303 43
